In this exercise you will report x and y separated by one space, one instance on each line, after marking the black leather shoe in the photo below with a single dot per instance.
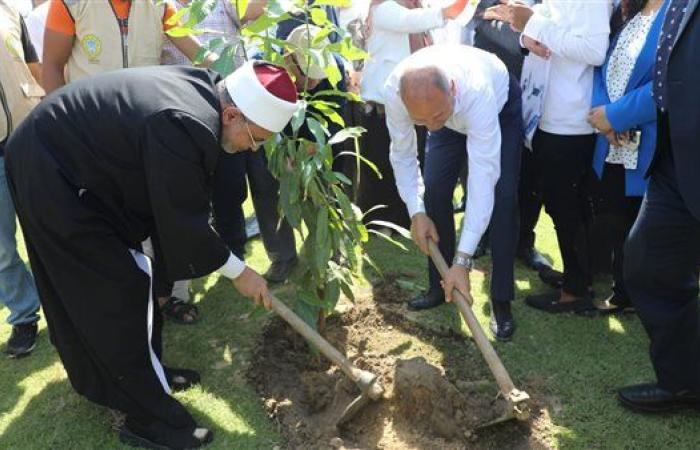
502 330
551 277
279 271
533 259
651 398
431 299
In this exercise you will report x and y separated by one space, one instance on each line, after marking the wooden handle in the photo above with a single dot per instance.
463 304
315 339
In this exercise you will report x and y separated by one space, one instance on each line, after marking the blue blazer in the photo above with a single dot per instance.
635 109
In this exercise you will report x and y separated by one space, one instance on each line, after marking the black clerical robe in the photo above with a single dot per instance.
98 167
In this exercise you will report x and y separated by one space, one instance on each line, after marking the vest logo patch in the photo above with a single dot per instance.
92 46
12 45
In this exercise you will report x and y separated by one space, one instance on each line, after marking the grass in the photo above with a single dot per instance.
572 363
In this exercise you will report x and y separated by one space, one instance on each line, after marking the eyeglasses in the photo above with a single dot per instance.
255 143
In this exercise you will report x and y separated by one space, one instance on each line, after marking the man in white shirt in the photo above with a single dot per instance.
469 97
575 34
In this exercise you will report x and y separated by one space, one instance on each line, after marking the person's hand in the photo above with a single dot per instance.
454 10
519 14
497 12
537 47
599 120
456 278
515 12
422 229
617 139
251 285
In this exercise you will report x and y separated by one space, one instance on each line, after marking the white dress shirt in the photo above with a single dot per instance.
388 44
577 32
481 81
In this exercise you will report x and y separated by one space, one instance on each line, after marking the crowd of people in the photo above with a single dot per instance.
129 177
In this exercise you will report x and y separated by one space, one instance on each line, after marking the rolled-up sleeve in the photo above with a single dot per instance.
403 154
484 159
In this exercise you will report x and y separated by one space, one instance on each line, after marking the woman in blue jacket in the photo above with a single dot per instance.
624 114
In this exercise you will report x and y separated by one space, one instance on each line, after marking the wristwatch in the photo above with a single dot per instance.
465 261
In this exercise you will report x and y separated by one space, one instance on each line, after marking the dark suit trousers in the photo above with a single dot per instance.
444 158
662 256
565 163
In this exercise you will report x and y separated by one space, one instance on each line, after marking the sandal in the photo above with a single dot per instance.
181 379
178 310
550 303
159 436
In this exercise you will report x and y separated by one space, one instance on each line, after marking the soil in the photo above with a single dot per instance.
438 392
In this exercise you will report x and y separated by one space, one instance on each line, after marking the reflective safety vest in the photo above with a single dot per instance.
19 91
103 42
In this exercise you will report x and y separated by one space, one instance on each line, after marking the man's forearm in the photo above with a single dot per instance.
52 77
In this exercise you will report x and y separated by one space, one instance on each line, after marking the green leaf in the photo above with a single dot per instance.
262 23
389 239
298 118
332 114
241 8
319 16
401 230
369 163
308 313
333 73
346 133
335 93
342 178
331 294
316 130
225 65
347 290
336 3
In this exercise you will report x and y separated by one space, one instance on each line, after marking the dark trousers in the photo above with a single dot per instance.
530 200
612 215
445 156
229 193
661 271
565 163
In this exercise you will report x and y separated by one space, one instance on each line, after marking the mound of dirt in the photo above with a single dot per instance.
437 390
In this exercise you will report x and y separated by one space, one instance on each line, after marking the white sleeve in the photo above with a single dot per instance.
587 43
403 155
232 268
484 160
394 17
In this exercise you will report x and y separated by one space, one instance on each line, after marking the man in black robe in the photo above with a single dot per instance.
98 167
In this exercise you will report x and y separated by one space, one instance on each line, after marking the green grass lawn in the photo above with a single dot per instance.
574 364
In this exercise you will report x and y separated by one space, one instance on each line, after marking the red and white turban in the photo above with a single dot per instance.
265 94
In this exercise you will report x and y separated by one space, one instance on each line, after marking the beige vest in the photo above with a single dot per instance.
19 92
100 44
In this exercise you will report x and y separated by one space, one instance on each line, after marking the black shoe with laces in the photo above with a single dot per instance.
22 340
